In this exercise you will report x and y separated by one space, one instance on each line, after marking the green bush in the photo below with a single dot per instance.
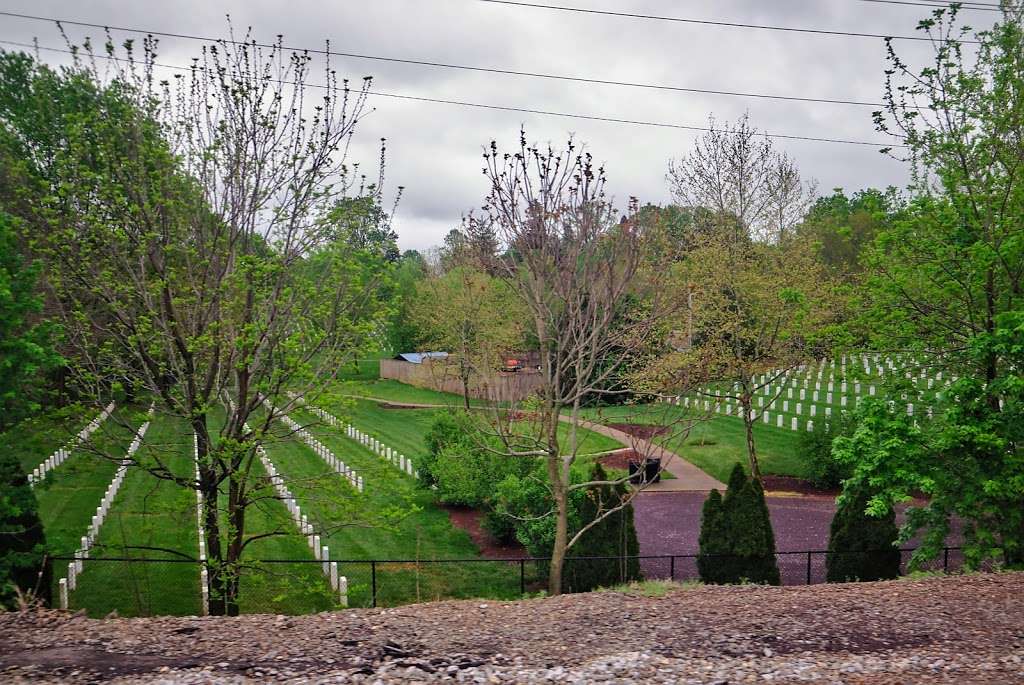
447 429
465 465
861 546
529 498
22 541
815 449
737 543
613 536
500 526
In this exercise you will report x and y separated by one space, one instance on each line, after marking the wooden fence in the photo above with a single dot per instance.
443 375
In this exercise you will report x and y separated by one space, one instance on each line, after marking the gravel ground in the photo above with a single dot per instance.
966 629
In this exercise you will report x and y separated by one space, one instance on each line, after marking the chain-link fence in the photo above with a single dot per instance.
133 586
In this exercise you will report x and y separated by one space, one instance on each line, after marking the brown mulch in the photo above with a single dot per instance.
620 459
798 485
961 629
470 520
645 431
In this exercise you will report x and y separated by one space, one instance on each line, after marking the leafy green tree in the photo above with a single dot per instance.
740 530
946 287
845 226
404 335
474 316
26 350
193 271
815 450
757 312
23 564
861 547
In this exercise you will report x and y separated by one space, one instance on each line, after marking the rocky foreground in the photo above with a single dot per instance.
958 630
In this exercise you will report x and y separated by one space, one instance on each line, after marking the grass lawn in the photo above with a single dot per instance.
36 438
405 429
396 391
70 493
150 518
715 445
359 526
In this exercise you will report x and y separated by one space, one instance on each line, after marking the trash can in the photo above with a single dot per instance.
650 472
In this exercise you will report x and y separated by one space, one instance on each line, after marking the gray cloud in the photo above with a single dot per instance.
434 150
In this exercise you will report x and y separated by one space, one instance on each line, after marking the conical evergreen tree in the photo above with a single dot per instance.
737 541
861 547
714 542
615 536
22 542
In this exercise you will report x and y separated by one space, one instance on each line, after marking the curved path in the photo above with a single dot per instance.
688 478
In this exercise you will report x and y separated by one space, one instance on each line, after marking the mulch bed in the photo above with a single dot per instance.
470 520
798 485
620 459
640 430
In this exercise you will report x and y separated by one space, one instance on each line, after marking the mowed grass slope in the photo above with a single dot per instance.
151 518
37 437
290 583
405 429
69 495
392 519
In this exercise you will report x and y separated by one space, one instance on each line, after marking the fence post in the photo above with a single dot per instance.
808 567
672 568
945 560
373 582
522 577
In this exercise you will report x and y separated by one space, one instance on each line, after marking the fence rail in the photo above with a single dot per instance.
135 586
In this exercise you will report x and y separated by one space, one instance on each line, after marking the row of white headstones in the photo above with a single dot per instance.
63 453
321 449
393 456
791 383
339 583
67 584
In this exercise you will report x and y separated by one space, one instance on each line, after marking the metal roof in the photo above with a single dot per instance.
418 357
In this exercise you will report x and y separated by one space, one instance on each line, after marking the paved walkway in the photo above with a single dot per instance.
688 478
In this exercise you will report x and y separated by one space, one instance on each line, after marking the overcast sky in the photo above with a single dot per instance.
435 149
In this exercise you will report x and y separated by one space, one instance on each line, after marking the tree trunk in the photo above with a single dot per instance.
558 550
236 514
748 423
560 493
211 521
465 388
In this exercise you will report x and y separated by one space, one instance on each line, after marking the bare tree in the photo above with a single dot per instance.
734 171
580 270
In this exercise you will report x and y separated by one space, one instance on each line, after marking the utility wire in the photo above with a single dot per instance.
979 6
709 22
501 108
489 70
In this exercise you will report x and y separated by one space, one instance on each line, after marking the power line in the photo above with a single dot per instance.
938 5
504 108
707 22
487 70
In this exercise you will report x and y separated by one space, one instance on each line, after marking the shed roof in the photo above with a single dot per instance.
418 357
